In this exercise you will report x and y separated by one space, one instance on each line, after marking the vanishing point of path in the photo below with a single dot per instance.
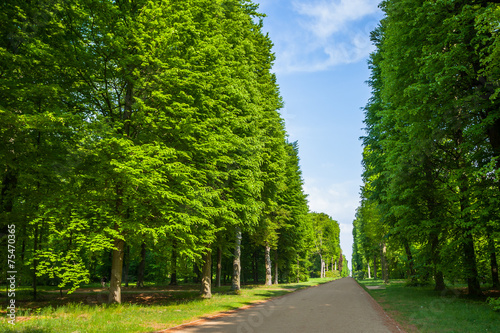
340 306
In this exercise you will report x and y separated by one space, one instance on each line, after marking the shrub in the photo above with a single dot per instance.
494 303
333 274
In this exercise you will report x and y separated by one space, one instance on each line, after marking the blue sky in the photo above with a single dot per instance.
321 48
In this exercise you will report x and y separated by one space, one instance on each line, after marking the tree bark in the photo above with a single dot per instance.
298 269
470 265
255 268
494 135
375 267
341 262
269 280
197 273
206 279
436 260
23 251
35 262
320 265
141 267
469 253
127 264
219 266
115 291
369 272
9 183
276 267
173 275
409 255
493 261
235 283
385 270
434 233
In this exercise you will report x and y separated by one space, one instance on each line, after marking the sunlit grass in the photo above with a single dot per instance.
183 307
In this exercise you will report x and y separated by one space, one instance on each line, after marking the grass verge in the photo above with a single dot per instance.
162 308
421 309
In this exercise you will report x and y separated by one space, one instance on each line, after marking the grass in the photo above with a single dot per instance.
421 309
154 309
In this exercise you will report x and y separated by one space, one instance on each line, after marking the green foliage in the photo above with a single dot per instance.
431 147
152 122
494 303
332 274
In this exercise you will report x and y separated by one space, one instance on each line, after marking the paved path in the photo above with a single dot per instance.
341 306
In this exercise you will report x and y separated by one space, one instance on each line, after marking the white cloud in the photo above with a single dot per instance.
329 17
324 34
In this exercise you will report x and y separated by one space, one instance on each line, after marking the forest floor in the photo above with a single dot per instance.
421 309
149 295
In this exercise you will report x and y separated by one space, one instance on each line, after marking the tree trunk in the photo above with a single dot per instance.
469 253
141 267
197 273
385 270
276 267
298 269
375 267
173 275
470 265
127 264
494 135
436 260
255 268
23 250
493 261
320 268
115 292
341 262
269 280
411 274
219 266
206 279
434 233
235 283
35 262
369 272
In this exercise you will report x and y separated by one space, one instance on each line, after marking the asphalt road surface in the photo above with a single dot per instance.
339 306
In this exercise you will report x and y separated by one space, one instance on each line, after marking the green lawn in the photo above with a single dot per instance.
158 309
421 309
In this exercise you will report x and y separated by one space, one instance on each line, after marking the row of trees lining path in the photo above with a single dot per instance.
141 138
430 208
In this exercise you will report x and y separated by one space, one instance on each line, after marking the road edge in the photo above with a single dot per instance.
390 322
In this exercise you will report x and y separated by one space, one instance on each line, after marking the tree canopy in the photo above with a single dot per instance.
141 137
431 159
